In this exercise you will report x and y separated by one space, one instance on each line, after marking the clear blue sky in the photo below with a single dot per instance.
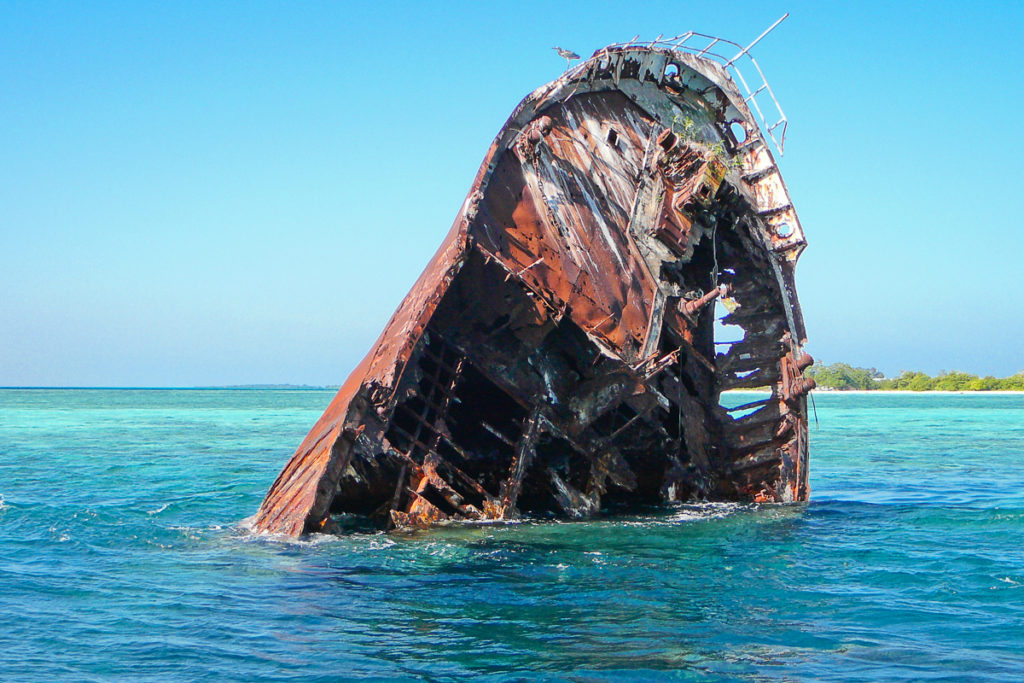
228 193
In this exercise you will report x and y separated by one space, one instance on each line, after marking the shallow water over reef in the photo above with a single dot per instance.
121 558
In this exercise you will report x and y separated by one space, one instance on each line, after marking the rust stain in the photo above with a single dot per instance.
559 352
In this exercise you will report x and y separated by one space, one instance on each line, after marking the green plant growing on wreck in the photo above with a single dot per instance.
686 128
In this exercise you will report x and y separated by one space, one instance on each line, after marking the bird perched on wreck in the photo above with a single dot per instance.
568 55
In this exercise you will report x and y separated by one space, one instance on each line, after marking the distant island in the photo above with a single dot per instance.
845 377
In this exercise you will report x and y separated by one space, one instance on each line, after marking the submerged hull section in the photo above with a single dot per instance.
559 355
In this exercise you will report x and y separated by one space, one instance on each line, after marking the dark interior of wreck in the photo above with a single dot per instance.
506 407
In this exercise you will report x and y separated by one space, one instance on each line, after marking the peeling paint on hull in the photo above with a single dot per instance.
558 353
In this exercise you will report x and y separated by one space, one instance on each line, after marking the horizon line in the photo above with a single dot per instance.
283 387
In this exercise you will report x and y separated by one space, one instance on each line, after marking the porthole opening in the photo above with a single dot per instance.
739 133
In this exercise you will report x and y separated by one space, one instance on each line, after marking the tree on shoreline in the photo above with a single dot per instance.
843 376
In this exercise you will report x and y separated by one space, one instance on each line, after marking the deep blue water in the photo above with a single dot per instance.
121 558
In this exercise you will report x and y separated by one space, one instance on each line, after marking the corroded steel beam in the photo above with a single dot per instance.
558 354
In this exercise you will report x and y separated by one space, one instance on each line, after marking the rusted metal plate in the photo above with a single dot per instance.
558 352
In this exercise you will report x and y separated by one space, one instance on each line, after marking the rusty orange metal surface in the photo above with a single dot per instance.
558 355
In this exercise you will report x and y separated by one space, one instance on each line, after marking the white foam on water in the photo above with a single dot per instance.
381 544
691 512
248 534
246 524
702 511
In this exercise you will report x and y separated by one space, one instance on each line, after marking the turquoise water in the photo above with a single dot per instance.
121 558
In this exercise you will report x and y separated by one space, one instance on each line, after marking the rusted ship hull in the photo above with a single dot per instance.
558 354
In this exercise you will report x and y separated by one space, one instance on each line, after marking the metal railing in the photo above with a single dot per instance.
691 42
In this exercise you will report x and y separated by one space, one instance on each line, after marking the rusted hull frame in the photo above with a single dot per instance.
557 355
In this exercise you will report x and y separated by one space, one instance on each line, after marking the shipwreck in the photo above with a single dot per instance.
626 253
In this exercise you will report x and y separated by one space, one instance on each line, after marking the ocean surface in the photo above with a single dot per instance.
122 558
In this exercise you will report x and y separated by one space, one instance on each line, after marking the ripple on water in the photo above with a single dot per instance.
121 557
